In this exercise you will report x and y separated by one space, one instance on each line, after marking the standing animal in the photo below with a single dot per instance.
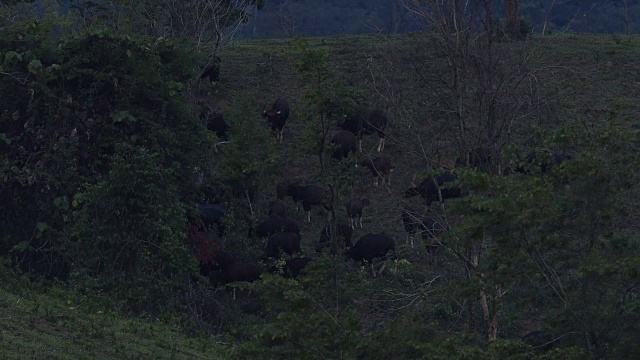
354 210
287 242
344 143
381 167
211 215
295 266
232 270
213 71
343 232
217 124
278 207
428 188
372 246
376 123
309 195
277 116
359 125
276 224
427 226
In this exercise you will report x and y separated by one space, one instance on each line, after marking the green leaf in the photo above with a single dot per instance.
21 246
3 137
42 226
123 115
35 66
10 58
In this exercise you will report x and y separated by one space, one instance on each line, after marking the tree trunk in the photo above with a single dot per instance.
626 15
512 8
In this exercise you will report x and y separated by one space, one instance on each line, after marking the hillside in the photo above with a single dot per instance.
531 252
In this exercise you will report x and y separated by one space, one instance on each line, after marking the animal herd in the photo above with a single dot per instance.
283 234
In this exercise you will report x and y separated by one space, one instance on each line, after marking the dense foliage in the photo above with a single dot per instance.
79 117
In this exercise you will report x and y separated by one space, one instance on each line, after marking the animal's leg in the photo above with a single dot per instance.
351 222
309 216
361 221
411 239
373 269
281 134
234 293
360 142
384 265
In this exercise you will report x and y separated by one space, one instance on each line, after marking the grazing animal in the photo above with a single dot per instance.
428 188
309 195
352 123
277 116
380 167
213 71
359 125
345 143
294 266
217 124
427 226
372 246
277 207
232 270
287 242
343 231
376 123
211 215
354 210
275 224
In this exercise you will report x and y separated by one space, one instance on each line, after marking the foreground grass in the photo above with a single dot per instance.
39 325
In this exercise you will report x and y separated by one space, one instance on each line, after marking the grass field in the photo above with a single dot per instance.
56 324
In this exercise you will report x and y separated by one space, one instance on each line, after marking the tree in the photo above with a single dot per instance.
512 8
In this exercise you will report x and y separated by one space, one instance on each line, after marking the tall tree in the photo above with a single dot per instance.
512 8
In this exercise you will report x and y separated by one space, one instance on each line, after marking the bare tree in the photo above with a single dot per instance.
479 93
512 8
546 17
288 12
626 15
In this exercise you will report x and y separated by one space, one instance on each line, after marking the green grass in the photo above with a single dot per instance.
56 325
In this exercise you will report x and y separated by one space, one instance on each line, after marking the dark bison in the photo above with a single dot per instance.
354 210
344 143
309 195
287 242
217 124
344 232
372 246
376 123
277 207
277 116
213 71
381 167
427 226
428 188
275 224
294 267
232 270
359 125
211 215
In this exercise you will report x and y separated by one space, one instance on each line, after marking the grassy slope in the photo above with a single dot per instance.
587 78
602 81
35 325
